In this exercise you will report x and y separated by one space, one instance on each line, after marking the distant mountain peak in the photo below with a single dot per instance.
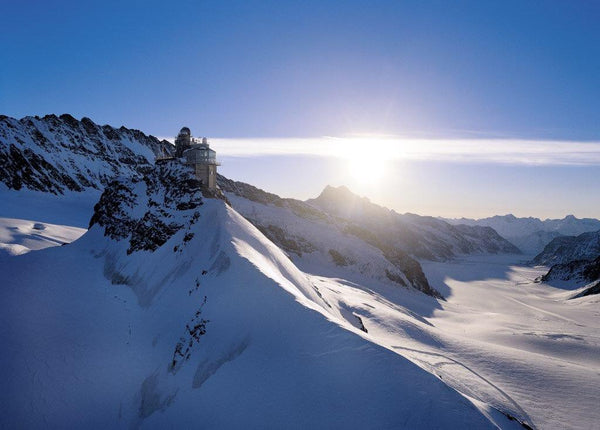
341 191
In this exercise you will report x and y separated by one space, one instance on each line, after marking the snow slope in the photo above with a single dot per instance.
174 311
21 236
341 234
499 338
71 208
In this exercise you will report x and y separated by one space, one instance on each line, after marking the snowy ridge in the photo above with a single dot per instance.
57 154
205 323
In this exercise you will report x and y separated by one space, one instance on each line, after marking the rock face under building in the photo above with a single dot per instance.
199 156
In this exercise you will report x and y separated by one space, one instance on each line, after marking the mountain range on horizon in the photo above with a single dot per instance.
531 234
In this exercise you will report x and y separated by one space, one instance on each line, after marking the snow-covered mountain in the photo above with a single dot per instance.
565 249
577 270
421 236
532 234
323 244
174 311
58 154
574 261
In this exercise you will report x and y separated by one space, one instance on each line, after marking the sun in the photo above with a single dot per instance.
367 159
369 171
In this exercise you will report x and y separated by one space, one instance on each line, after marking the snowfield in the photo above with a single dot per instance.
526 341
501 339
21 236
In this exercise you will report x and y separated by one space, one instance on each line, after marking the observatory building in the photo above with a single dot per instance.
199 156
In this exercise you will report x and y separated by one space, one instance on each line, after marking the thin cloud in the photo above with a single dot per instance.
501 151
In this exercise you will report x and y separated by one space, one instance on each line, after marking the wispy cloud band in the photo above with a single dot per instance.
527 152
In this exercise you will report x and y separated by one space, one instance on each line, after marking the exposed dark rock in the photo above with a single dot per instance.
151 232
338 258
164 189
592 289
194 330
361 324
284 240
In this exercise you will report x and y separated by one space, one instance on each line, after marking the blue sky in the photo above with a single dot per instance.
407 70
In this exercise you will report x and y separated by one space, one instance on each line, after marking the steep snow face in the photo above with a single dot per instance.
532 234
174 311
565 249
423 237
19 236
58 154
323 244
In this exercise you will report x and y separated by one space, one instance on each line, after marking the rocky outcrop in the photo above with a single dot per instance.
590 290
169 195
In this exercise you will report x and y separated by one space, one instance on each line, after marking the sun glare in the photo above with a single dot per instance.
367 158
